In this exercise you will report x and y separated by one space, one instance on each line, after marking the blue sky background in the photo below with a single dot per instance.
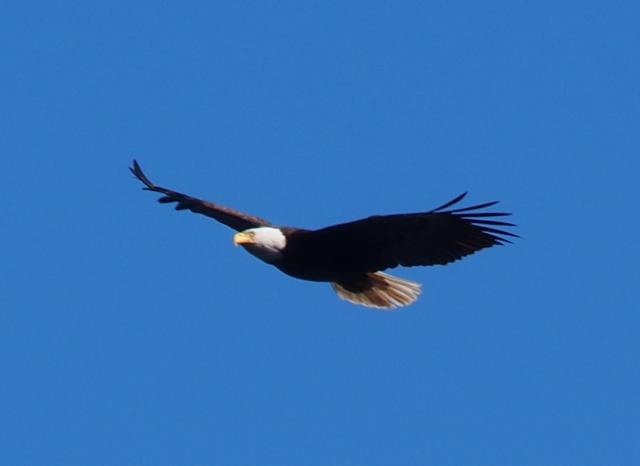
134 335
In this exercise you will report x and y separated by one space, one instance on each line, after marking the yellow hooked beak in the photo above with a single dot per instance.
243 237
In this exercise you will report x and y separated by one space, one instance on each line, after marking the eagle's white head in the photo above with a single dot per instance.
266 243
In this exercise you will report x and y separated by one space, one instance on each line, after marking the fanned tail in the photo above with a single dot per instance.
378 290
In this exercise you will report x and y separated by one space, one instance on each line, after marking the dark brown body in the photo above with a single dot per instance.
308 257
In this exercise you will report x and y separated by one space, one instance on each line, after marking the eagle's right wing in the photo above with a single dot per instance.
237 220
439 236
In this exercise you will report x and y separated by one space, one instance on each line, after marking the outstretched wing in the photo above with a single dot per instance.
439 236
232 218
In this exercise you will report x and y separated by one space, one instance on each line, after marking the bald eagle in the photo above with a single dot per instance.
351 256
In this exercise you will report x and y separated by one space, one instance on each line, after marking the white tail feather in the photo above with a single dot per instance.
381 291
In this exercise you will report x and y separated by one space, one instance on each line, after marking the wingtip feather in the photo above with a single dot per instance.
453 201
136 169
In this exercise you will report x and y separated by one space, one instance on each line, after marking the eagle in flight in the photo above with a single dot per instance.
352 256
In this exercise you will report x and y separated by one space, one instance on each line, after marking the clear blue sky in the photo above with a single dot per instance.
131 334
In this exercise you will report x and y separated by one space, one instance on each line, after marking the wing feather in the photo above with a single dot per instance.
237 220
438 236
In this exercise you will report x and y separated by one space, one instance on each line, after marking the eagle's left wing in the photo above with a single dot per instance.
237 220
